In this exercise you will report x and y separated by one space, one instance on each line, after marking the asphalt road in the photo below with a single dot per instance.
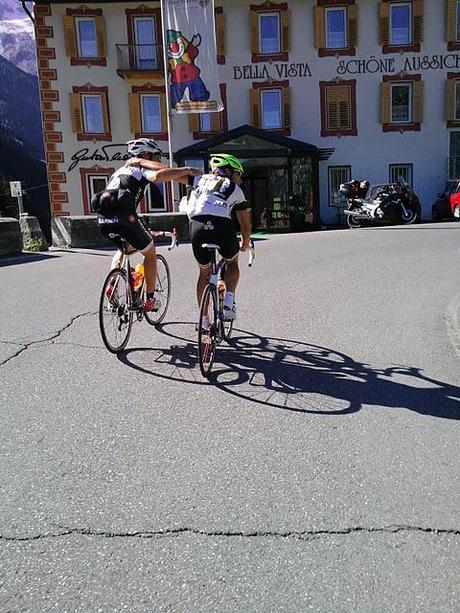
317 471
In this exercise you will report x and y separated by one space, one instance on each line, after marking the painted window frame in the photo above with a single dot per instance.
148 207
85 178
325 88
417 101
145 12
256 108
351 27
71 36
134 98
194 124
77 106
416 26
255 10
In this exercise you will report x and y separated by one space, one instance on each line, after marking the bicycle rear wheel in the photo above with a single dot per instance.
162 292
207 330
115 312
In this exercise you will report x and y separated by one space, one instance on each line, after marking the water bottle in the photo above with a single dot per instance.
138 276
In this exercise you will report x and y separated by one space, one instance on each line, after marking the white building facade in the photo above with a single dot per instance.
374 84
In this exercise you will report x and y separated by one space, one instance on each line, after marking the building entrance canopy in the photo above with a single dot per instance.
281 173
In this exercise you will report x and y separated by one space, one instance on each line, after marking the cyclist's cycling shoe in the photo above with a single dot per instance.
229 313
152 304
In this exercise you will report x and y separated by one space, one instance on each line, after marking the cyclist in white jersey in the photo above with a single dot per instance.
209 207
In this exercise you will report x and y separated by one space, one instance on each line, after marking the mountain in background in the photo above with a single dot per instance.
17 41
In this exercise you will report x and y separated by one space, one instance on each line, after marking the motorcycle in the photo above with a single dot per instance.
390 203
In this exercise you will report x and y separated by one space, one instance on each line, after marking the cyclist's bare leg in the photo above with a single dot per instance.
150 268
232 274
203 280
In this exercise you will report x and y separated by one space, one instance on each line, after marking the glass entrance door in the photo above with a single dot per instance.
266 189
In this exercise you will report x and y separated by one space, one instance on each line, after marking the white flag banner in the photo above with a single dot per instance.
192 63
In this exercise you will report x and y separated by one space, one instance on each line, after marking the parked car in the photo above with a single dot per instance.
454 200
441 207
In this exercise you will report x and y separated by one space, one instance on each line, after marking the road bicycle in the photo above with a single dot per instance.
213 330
121 301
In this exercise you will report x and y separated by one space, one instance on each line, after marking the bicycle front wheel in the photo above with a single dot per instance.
207 330
115 312
162 292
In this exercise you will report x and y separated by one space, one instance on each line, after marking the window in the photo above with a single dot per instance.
269 23
336 31
454 154
270 104
144 50
400 24
453 25
269 33
205 122
145 43
154 197
271 108
84 36
151 113
338 175
338 108
93 180
204 125
96 183
453 99
147 111
401 103
93 119
90 113
400 170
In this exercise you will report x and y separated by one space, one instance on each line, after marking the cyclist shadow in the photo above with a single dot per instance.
302 377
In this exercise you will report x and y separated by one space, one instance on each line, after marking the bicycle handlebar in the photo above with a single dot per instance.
172 235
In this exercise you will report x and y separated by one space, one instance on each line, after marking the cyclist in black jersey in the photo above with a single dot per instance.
116 205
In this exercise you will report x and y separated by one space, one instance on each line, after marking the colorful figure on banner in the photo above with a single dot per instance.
184 72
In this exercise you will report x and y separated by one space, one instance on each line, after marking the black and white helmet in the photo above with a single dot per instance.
142 145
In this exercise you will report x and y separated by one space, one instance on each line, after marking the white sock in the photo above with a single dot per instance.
205 322
229 299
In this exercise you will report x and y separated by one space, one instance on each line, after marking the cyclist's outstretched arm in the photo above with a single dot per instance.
244 219
176 174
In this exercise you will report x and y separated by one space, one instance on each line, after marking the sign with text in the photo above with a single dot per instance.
393 65
192 56
99 154
16 189
273 72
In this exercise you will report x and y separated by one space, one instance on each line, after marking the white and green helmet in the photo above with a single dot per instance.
225 160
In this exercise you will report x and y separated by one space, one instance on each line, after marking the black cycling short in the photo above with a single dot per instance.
217 230
128 225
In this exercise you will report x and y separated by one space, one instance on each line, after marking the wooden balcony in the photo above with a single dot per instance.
140 62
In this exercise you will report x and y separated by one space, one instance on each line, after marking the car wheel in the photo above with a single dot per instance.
457 212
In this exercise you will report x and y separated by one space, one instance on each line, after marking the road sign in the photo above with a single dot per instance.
16 188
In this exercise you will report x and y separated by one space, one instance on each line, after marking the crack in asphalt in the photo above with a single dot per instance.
305 535
24 346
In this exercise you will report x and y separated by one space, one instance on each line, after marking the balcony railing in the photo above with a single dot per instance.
139 58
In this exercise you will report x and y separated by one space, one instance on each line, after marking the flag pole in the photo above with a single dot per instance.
167 95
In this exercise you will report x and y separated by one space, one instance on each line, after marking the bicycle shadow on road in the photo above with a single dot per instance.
298 376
